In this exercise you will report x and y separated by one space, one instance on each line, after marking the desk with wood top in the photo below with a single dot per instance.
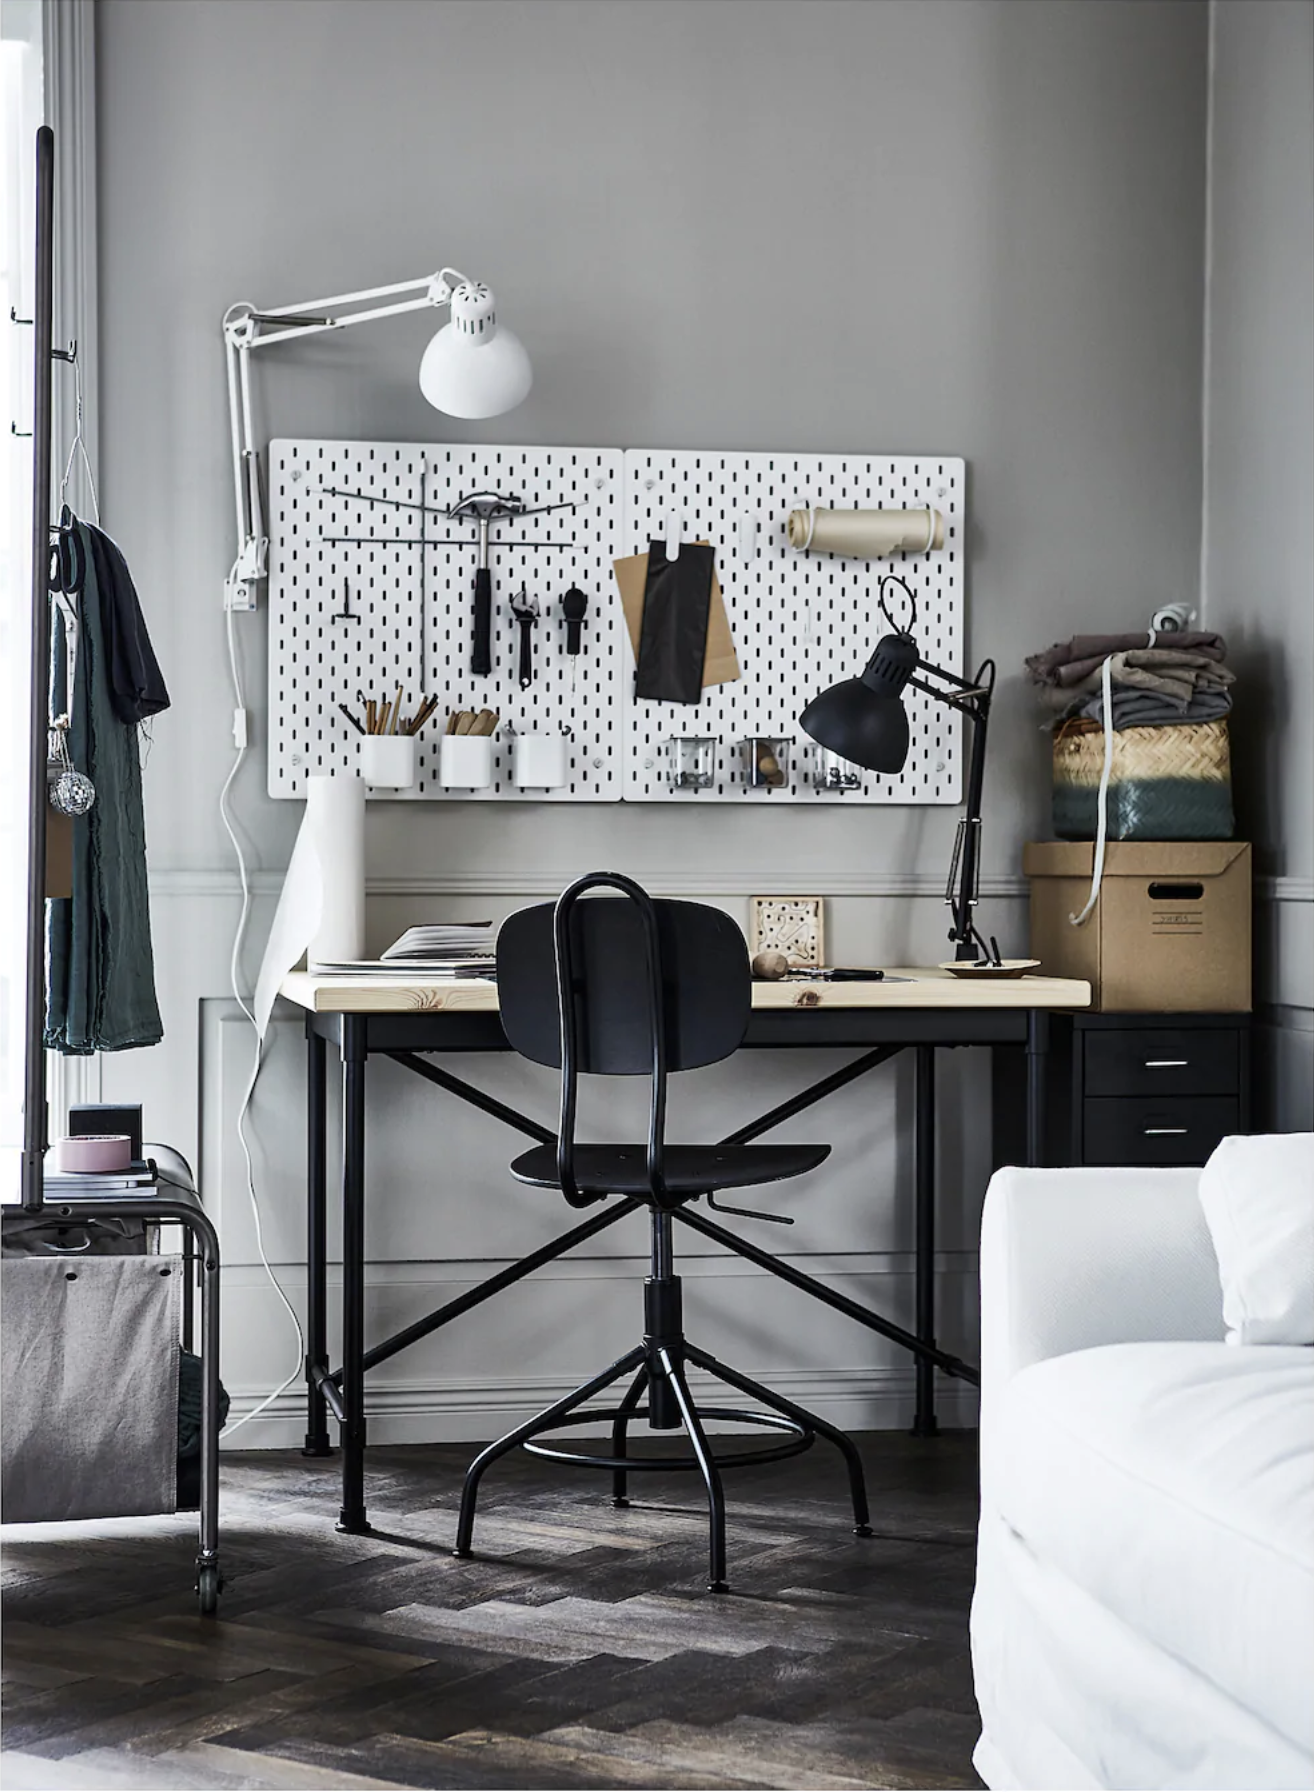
365 1016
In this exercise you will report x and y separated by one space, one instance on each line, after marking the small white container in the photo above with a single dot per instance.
539 761
388 761
467 761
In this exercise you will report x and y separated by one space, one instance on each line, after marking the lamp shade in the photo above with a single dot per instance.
475 367
863 719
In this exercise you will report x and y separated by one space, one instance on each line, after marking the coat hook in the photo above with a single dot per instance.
66 354
14 430
14 318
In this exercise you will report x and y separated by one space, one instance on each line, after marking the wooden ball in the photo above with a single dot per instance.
770 966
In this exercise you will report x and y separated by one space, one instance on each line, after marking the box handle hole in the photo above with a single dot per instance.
1176 892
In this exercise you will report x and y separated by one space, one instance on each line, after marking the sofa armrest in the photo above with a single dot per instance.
1073 1258
1077 1257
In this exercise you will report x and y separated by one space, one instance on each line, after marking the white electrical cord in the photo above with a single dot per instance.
1102 800
240 739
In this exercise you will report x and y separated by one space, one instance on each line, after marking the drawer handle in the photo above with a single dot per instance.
1166 1063
1154 1132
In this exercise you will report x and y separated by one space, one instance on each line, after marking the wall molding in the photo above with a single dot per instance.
707 881
471 1412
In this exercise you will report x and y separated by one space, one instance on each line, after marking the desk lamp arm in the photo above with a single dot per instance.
245 330
962 886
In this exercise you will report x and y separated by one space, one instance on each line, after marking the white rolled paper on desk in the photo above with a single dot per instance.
321 910
865 534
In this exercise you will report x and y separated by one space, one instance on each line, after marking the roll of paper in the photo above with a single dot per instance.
321 910
865 534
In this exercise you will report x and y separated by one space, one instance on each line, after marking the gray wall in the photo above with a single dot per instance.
1258 571
997 212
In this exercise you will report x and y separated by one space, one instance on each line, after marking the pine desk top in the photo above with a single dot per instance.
922 988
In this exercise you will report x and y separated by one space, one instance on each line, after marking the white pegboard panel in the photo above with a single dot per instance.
800 622
412 598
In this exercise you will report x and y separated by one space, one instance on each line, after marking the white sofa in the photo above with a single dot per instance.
1144 1606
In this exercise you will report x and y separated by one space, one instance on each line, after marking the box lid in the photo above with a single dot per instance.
1133 858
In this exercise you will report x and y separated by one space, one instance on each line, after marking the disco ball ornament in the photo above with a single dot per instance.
72 793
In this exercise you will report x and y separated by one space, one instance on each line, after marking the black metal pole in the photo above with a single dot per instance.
353 1516
1037 1082
817 1092
34 1082
317 1437
830 1297
924 1420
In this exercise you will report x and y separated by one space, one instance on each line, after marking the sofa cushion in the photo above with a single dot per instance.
1174 1483
1258 1199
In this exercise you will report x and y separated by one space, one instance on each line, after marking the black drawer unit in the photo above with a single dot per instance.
1157 1088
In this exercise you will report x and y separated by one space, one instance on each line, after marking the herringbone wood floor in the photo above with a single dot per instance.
579 1649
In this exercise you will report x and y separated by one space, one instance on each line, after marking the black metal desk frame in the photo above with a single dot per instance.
879 1032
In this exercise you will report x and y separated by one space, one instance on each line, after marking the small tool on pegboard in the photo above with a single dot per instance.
574 608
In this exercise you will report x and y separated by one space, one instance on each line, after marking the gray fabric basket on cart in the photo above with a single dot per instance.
89 1349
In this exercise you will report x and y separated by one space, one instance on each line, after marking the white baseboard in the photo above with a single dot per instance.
473 1412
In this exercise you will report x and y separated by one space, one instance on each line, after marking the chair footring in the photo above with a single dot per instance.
801 1437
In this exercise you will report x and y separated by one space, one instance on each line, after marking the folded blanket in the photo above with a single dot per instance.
1068 662
1173 675
1146 709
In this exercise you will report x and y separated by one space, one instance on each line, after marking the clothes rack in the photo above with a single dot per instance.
181 1206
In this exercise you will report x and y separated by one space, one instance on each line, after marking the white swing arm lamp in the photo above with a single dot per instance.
471 368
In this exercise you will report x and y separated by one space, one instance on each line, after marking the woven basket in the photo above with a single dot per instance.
1169 783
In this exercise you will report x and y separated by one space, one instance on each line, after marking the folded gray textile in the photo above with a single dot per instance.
1147 709
101 971
1176 679
1068 662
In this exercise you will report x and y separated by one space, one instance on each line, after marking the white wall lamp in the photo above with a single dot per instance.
472 368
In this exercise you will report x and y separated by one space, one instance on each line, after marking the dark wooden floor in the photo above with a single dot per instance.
579 1649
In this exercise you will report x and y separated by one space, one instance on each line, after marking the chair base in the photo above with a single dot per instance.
658 1366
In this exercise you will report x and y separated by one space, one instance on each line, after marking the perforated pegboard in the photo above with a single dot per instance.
800 621
412 600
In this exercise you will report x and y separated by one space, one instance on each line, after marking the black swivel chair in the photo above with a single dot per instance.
631 988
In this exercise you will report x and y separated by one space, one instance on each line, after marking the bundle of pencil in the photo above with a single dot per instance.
466 721
421 716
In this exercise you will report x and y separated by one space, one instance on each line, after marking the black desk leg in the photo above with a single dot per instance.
1037 1083
924 1423
352 1517
317 1437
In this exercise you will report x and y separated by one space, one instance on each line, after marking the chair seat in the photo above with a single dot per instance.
690 1169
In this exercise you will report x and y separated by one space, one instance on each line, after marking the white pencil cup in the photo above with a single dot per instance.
467 761
539 761
388 761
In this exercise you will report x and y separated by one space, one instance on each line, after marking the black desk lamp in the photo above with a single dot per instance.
864 721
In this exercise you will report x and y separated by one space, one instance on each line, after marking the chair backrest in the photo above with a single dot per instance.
621 988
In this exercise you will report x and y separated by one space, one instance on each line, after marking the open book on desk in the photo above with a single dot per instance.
455 949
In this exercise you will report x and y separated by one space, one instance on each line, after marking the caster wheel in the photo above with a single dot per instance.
863 1530
208 1586
620 1503
718 1586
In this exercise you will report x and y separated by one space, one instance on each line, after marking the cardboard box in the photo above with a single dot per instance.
1169 934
